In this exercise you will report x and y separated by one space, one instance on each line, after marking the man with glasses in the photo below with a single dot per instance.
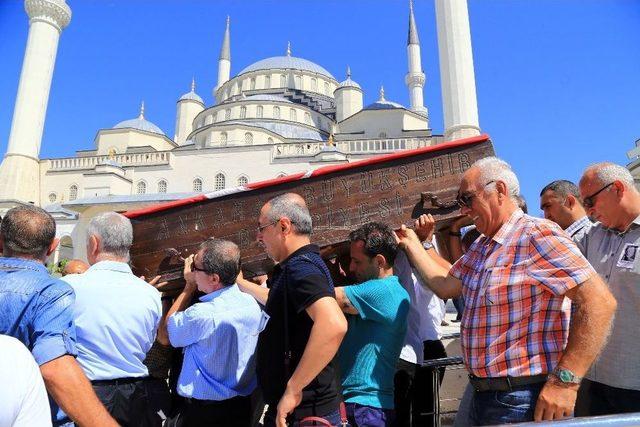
560 203
219 335
295 364
523 361
613 383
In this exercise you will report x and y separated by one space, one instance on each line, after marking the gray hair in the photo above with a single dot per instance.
115 233
495 169
221 257
562 188
27 230
607 172
292 206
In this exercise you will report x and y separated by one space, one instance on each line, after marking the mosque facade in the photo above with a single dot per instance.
277 116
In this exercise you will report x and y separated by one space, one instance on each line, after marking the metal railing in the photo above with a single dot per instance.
359 146
90 162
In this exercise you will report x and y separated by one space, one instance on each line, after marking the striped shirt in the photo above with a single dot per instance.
515 322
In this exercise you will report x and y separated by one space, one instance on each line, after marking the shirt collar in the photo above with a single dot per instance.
508 227
214 294
23 263
577 225
121 267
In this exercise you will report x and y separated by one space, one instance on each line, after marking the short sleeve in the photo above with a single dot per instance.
54 332
556 261
189 326
306 284
372 300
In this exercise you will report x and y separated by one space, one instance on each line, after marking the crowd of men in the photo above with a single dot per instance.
549 325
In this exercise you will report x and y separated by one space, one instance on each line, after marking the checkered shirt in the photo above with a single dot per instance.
516 321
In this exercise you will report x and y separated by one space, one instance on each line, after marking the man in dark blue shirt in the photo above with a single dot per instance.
37 310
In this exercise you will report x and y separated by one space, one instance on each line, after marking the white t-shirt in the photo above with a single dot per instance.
23 398
425 314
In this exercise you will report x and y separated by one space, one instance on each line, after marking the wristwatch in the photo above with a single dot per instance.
566 376
427 245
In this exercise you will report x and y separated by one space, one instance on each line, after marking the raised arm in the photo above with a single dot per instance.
256 291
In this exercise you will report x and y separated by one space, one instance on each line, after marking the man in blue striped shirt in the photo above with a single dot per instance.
219 334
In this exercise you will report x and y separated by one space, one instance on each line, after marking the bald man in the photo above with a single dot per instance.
75 266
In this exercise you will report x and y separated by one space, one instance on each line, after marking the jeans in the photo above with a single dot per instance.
368 416
503 407
270 419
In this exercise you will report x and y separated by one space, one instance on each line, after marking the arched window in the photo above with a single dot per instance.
208 120
283 80
259 111
197 185
243 180
73 192
270 140
223 138
307 118
227 114
219 181
162 186
298 81
252 84
267 82
141 188
248 138
276 112
293 116
53 197
326 88
314 84
243 112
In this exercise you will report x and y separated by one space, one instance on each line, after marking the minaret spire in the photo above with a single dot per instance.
348 72
193 84
224 62
141 116
415 77
382 93
288 48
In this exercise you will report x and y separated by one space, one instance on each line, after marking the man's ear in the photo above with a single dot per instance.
93 244
215 278
502 188
380 260
285 225
619 186
52 246
570 201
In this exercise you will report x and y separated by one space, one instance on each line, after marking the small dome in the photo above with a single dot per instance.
287 63
383 104
348 82
140 123
192 95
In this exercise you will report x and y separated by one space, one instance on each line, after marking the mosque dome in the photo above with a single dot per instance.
348 82
383 104
287 62
191 95
140 123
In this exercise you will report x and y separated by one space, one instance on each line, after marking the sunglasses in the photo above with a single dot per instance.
465 199
194 268
589 201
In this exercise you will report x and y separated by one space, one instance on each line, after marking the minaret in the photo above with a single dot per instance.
456 70
189 106
415 77
224 62
20 169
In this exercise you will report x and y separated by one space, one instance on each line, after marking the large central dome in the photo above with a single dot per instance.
287 63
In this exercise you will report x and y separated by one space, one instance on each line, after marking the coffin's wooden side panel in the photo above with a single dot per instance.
394 192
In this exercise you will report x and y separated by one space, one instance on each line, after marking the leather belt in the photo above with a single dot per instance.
504 383
118 381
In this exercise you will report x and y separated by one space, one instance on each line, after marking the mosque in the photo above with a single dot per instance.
277 116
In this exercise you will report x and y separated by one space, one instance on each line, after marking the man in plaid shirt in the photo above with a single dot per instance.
523 360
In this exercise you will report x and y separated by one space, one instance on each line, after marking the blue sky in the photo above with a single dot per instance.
558 82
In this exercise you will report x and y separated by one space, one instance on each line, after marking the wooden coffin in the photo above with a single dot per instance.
394 188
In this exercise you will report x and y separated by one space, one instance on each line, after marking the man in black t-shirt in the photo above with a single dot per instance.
295 351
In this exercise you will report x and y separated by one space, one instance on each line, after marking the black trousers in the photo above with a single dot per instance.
234 412
413 389
127 400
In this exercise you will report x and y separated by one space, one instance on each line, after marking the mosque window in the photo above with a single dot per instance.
219 181
243 180
314 84
208 120
162 186
283 80
197 185
276 112
243 112
267 82
73 192
223 138
293 116
141 188
270 140
252 84
259 111
52 197
307 118
227 114
298 81
326 88
248 138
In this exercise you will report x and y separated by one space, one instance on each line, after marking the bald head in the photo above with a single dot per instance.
292 206
75 266
606 172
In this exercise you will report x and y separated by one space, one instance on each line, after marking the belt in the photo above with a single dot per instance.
118 381
504 383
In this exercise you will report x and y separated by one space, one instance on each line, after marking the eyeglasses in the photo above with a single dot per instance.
590 200
194 268
465 199
261 228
